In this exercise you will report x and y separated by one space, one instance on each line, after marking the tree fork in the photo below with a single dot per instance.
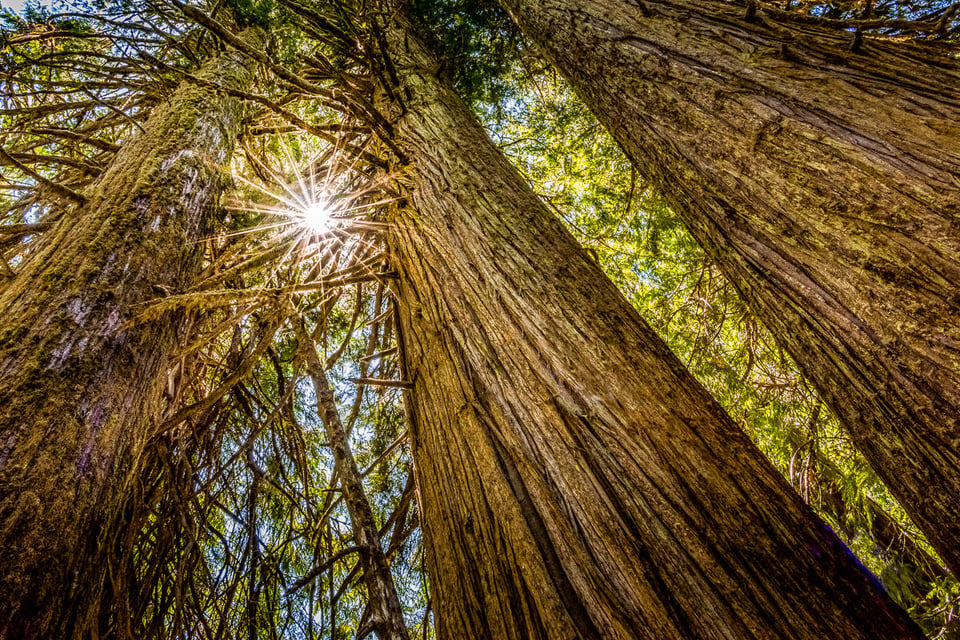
81 382
824 183
576 481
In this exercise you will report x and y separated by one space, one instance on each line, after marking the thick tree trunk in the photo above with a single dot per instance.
576 481
826 185
913 571
80 385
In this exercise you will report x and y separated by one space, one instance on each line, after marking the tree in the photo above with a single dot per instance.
817 167
82 377
235 523
381 591
575 480
574 165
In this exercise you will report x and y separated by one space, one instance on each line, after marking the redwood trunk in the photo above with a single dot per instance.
576 481
826 185
80 386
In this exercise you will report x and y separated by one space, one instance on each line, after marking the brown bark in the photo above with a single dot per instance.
823 182
381 591
576 481
80 384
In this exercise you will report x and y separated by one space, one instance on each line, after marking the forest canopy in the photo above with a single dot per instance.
361 318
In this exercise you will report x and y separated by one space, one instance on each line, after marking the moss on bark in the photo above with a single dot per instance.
80 386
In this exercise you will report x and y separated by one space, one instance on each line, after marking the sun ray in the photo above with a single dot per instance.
320 208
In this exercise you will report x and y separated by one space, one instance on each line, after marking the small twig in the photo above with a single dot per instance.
857 42
56 187
380 354
845 25
945 18
379 382
321 569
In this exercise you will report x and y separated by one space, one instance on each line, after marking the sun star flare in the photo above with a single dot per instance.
318 217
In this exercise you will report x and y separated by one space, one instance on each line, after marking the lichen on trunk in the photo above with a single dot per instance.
81 382
824 183
576 481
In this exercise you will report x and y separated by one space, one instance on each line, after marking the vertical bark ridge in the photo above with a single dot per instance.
80 385
564 454
825 185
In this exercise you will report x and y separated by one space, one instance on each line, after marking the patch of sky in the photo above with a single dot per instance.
496 116
21 6
40 9
646 277
17 6
305 407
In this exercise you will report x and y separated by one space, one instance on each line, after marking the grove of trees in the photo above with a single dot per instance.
347 318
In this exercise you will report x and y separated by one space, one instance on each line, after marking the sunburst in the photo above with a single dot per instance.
323 211
318 217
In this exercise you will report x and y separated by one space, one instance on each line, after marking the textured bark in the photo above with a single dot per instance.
381 591
576 481
826 185
80 386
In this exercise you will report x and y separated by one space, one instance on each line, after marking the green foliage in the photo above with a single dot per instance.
477 43
252 13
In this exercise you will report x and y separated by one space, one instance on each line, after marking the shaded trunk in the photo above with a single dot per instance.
576 481
911 572
824 183
384 604
80 384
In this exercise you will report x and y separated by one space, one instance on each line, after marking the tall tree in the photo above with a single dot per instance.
818 167
81 380
576 481
384 603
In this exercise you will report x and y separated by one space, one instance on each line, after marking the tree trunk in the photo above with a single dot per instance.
912 572
80 381
576 481
823 182
381 591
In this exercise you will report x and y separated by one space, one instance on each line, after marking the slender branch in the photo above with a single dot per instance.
56 187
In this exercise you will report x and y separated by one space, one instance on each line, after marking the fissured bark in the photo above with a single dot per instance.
824 182
576 481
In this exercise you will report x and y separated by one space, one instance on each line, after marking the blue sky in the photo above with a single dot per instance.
16 5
